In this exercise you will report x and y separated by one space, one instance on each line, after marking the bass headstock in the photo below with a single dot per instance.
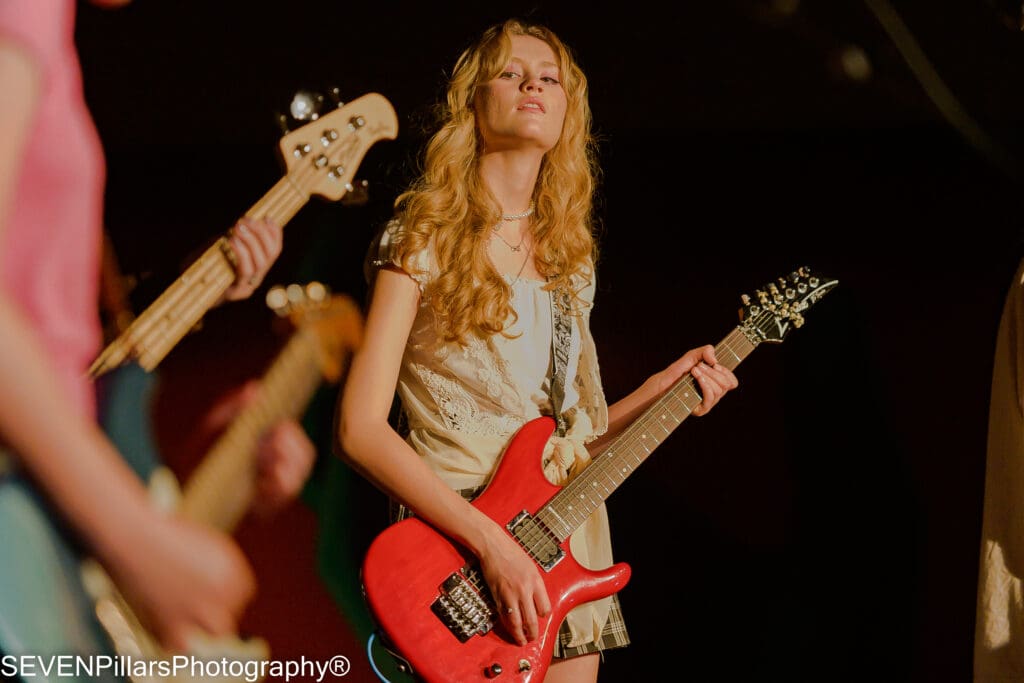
323 153
778 307
335 320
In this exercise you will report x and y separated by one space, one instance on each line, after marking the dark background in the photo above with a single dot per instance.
823 523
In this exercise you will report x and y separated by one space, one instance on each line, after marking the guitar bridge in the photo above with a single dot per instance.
462 607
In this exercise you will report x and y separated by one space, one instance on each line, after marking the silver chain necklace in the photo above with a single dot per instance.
517 216
522 267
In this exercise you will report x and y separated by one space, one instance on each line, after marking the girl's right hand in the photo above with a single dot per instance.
516 585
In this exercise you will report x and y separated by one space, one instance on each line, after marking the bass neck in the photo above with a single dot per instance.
222 487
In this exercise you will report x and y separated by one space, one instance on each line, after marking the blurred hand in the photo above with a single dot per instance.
257 244
182 579
285 454
285 459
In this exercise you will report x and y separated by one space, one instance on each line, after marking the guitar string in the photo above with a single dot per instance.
604 466
631 441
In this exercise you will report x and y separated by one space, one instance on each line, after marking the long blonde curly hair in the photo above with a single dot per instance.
451 204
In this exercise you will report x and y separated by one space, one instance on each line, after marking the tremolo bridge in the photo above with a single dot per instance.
465 605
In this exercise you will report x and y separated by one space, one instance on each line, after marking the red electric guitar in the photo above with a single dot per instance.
427 593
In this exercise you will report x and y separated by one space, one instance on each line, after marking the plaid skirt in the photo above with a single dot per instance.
613 635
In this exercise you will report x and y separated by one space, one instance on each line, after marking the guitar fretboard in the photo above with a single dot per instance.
571 506
154 333
222 487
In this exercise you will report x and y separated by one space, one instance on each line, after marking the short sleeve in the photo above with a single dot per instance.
384 252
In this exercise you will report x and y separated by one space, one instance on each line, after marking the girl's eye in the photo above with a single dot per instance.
550 79
508 74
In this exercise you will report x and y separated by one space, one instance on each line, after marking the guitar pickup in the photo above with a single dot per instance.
536 539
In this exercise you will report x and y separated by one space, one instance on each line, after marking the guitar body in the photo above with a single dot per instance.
409 563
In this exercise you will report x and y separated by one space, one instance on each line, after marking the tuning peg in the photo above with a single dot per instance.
357 193
334 93
296 294
282 123
316 292
277 300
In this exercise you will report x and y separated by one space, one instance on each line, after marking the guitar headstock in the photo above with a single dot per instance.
323 154
335 320
778 307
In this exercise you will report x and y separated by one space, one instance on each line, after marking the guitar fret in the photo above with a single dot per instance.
558 525
662 426
733 354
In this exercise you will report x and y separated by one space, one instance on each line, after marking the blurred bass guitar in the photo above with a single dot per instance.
321 159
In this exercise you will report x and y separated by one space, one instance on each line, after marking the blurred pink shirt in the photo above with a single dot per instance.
50 247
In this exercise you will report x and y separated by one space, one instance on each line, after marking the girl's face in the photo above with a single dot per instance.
524 105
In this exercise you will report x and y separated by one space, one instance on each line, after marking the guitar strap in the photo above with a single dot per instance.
561 343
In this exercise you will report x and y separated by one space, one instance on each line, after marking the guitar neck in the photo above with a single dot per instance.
571 506
220 490
153 334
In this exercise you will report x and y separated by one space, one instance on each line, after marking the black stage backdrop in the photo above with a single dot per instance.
823 523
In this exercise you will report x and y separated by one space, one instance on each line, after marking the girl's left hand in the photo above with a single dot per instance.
713 378
285 460
256 243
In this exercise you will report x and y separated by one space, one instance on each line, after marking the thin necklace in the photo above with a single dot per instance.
529 250
513 247
514 217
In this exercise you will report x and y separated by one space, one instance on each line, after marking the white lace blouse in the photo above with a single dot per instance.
463 403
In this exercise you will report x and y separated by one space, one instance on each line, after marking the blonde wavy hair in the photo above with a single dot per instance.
450 203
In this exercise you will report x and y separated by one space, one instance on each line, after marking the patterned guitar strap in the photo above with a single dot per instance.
561 343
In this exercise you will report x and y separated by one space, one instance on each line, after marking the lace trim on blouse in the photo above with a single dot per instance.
458 410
